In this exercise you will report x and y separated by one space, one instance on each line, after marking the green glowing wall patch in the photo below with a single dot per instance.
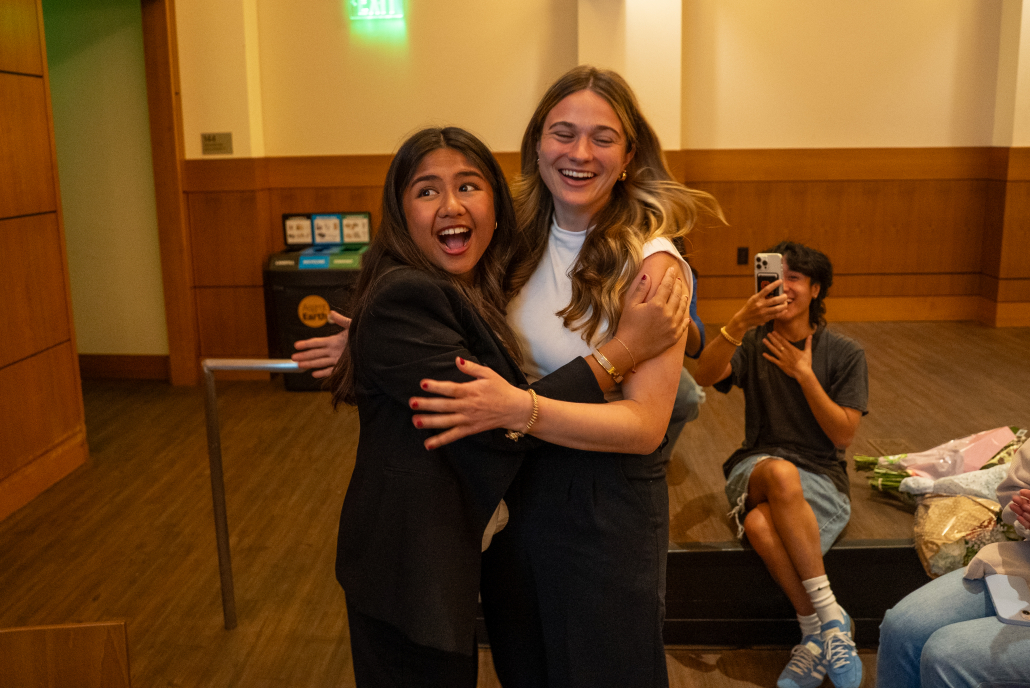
375 9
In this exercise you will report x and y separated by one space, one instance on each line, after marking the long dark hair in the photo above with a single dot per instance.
649 203
393 244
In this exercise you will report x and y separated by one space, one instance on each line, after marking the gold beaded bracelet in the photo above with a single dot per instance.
731 340
514 435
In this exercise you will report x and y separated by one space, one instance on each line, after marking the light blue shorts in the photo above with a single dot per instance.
832 509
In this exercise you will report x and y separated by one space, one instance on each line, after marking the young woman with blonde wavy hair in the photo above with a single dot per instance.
574 588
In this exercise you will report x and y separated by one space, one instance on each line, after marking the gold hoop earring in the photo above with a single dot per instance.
622 177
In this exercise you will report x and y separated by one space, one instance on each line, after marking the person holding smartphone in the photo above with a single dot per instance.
805 390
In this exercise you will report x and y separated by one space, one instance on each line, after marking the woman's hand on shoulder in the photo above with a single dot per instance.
467 408
649 326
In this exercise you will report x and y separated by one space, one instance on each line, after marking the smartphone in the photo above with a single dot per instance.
768 268
1011 598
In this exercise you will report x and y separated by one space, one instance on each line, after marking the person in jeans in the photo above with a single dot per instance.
946 634
805 390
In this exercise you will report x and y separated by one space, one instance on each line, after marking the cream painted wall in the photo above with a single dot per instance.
791 73
601 32
219 73
330 88
640 39
1008 71
852 73
101 125
1021 98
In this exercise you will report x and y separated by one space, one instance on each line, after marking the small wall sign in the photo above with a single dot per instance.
216 144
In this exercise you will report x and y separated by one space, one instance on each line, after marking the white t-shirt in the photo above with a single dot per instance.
546 344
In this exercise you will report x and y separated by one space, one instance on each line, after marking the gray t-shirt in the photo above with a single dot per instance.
777 419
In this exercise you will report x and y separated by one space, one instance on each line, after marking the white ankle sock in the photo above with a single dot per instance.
810 625
825 603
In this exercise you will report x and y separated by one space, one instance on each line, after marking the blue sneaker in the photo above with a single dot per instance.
806 667
842 661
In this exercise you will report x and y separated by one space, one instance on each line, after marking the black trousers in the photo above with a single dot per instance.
574 587
385 658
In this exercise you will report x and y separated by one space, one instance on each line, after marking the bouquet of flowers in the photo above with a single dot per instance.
950 530
976 452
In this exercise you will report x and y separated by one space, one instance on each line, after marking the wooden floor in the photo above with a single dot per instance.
130 535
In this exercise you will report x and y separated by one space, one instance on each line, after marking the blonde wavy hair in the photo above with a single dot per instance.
649 203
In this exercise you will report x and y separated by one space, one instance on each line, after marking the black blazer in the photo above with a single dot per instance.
412 522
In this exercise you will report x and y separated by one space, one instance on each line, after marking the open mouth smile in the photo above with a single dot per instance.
577 174
454 239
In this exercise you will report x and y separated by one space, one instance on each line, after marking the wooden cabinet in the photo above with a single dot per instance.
42 426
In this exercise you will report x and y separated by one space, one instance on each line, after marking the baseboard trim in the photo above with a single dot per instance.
123 367
35 477
1011 315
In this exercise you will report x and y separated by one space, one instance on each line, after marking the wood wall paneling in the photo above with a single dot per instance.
229 237
988 287
225 174
1011 290
25 154
119 367
41 404
912 232
232 322
19 38
865 227
899 308
33 284
328 170
1018 165
93 655
1011 315
1014 259
243 174
166 142
32 479
42 433
868 308
949 284
839 164
994 227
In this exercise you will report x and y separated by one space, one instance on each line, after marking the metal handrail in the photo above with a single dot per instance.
214 456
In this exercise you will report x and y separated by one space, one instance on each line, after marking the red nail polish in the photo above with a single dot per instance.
418 424
425 385
414 404
461 361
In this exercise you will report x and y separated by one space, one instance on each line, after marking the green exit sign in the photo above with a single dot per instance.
376 9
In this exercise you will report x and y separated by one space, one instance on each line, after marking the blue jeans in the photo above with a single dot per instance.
945 634
689 397
831 508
